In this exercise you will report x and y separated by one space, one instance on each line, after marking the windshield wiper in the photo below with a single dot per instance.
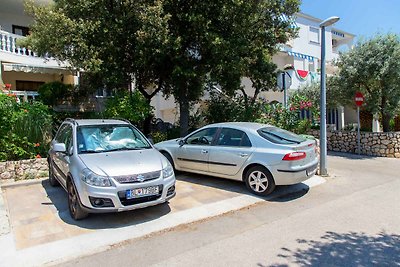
91 151
282 138
124 148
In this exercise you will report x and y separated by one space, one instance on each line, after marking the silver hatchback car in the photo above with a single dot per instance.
260 155
107 166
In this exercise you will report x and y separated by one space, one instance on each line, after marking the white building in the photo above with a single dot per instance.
303 53
21 68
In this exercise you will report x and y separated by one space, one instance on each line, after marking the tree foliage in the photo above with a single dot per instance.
172 45
373 67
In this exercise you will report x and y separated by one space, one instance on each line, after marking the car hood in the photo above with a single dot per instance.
119 163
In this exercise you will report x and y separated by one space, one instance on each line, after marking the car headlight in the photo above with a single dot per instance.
91 178
168 171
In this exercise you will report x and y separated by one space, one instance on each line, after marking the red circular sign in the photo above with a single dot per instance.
359 99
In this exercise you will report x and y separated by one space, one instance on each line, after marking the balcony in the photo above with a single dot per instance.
11 52
8 44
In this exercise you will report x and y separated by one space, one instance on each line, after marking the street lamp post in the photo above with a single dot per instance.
323 139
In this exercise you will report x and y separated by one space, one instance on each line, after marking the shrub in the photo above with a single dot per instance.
25 129
222 109
132 107
53 92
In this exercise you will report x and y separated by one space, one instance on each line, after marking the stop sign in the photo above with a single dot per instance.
359 99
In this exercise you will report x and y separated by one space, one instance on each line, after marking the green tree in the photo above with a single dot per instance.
114 42
172 45
219 42
373 67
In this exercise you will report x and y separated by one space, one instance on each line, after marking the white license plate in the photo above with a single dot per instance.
141 192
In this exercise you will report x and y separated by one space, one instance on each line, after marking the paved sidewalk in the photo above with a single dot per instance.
42 228
4 223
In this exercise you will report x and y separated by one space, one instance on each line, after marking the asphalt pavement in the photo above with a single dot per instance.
351 220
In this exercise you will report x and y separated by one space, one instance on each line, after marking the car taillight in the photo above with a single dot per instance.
294 156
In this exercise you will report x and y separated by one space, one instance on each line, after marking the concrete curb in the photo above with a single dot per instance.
101 240
13 184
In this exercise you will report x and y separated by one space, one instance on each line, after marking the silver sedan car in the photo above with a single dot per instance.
261 155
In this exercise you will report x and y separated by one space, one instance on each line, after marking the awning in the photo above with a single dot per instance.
300 55
34 69
290 20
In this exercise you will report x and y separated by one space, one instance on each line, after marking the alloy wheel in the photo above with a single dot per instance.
258 181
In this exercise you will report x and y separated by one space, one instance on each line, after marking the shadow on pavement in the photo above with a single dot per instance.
281 193
58 198
345 249
350 155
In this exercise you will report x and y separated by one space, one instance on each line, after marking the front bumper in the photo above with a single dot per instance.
120 204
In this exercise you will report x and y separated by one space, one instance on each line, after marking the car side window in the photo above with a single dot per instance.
68 139
60 133
65 136
203 137
233 137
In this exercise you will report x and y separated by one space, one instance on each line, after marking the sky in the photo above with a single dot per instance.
363 18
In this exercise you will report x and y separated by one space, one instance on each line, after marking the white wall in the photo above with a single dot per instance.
7 20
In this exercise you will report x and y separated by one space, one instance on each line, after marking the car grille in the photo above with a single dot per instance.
137 178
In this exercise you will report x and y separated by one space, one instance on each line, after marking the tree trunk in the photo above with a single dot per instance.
147 121
184 116
386 122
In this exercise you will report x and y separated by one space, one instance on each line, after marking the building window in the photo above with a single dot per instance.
20 30
313 35
28 85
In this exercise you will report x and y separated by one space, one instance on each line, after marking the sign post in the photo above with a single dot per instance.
284 82
359 100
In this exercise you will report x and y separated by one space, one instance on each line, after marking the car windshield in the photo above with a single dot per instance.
280 136
107 138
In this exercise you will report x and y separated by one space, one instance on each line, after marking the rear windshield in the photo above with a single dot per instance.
280 136
107 138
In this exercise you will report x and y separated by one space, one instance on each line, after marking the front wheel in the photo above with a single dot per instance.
259 181
75 209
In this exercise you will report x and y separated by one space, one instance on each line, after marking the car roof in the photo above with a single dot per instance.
87 122
240 125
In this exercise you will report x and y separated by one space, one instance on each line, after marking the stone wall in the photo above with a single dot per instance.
372 144
24 169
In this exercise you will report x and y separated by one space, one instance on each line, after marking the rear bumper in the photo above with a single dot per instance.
295 176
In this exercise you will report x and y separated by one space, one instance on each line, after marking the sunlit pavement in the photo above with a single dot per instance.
42 229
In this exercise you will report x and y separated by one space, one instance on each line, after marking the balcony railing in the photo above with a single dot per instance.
25 96
8 43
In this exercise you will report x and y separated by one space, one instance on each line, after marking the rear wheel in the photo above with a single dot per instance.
52 180
259 181
75 209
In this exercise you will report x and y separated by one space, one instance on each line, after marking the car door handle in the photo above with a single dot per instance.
204 151
243 155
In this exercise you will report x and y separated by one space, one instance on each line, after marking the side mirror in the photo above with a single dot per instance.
181 142
59 147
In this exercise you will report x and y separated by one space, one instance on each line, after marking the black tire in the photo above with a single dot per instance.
75 209
52 180
259 181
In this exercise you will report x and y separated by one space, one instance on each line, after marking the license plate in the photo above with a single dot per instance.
141 192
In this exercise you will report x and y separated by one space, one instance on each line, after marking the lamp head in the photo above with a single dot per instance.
329 21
